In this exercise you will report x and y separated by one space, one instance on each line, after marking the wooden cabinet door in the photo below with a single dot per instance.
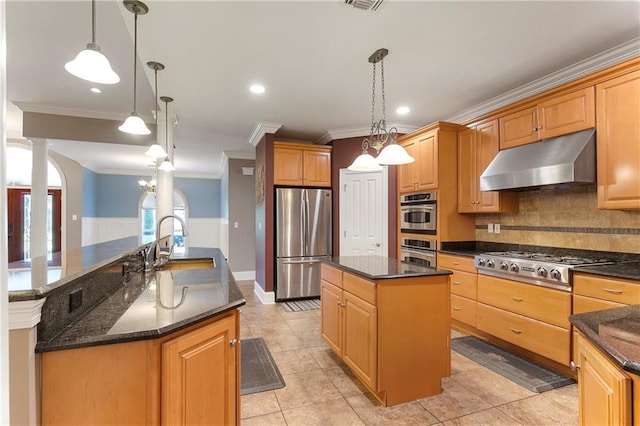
467 174
287 166
519 128
567 114
317 168
331 316
487 147
406 172
426 170
360 338
604 390
618 141
199 382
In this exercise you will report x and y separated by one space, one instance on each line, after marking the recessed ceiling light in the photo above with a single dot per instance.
403 110
257 88
95 90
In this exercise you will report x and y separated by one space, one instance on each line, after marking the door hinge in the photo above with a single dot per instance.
345 233
345 188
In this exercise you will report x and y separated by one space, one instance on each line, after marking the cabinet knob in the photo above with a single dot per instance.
516 330
612 291
517 299
455 308
573 366
233 342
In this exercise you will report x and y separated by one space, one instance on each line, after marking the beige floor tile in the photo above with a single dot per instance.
492 416
274 419
460 363
335 412
282 342
258 404
455 333
295 361
301 315
491 387
346 382
270 328
454 401
306 388
373 413
306 324
325 357
311 339
548 408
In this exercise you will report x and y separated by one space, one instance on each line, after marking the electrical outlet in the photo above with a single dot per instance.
490 228
235 225
496 228
75 299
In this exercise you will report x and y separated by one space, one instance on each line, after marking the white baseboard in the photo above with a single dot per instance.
244 275
266 297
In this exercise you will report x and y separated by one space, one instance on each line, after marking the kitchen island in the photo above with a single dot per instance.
146 345
389 322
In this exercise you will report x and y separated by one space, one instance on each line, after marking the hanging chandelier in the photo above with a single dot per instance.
149 185
156 150
166 165
91 64
379 135
134 124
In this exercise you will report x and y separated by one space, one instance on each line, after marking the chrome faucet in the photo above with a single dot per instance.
162 257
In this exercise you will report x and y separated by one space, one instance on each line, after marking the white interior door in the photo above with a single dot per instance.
364 213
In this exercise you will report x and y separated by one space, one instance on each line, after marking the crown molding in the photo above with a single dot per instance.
355 132
25 314
261 129
608 58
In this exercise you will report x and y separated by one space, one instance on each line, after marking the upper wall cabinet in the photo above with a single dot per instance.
554 116
618 141
477 146
422 174
301 164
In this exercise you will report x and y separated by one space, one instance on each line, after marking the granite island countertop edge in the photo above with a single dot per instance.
419 271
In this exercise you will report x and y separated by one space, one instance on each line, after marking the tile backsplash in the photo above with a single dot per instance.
564 217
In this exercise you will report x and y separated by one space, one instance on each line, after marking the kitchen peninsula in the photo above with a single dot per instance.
115 341
389 322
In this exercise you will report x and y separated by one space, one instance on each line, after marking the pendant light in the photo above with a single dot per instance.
392 154
134 124
90 64
156 150
166 165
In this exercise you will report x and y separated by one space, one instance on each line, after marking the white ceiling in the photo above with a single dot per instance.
444 57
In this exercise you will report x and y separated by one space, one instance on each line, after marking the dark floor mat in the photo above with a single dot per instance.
520 371
259 371
301 305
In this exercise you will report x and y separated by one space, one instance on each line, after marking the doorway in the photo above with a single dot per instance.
364 213
18 223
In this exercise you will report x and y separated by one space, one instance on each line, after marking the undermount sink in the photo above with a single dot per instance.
179 264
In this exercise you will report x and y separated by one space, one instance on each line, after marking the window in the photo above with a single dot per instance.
148 218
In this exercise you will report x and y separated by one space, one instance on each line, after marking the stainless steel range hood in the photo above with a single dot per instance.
562 160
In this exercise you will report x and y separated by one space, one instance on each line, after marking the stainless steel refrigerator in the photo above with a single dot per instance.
303 238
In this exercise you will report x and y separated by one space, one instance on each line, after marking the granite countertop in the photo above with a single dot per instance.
626 265
379 267
32 280
616 332
135 310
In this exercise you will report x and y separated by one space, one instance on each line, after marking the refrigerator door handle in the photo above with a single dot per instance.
305 226
287 262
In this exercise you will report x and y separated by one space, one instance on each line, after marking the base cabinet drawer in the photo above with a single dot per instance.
544 339
583 304
464 284
616 290
463 310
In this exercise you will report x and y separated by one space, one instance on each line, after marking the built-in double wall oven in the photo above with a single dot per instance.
418 217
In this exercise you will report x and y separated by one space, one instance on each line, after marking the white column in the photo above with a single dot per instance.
164 188
38 229
4 297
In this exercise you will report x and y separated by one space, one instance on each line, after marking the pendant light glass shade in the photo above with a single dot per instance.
394 154
365 163
90 64
135 125
166 165
156 151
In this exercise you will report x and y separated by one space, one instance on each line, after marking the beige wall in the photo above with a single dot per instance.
566 218
24 373
72 204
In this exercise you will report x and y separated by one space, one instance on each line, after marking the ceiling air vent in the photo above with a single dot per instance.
371 5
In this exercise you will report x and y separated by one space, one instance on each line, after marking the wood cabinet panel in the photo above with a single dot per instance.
567 113
422 174
364 289
406 172
618 142
199 383
467 173
331 316
539 337
287 166
583 304
544 304
464 284
361 339
317 168
519 128
301 165
616 290
331 274
604 389
460 263
463 310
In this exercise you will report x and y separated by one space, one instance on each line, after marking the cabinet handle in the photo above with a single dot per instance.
455 282
573 366
517 299
455 308
516 331
342 305
233 342
610 290
338 303
456 263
